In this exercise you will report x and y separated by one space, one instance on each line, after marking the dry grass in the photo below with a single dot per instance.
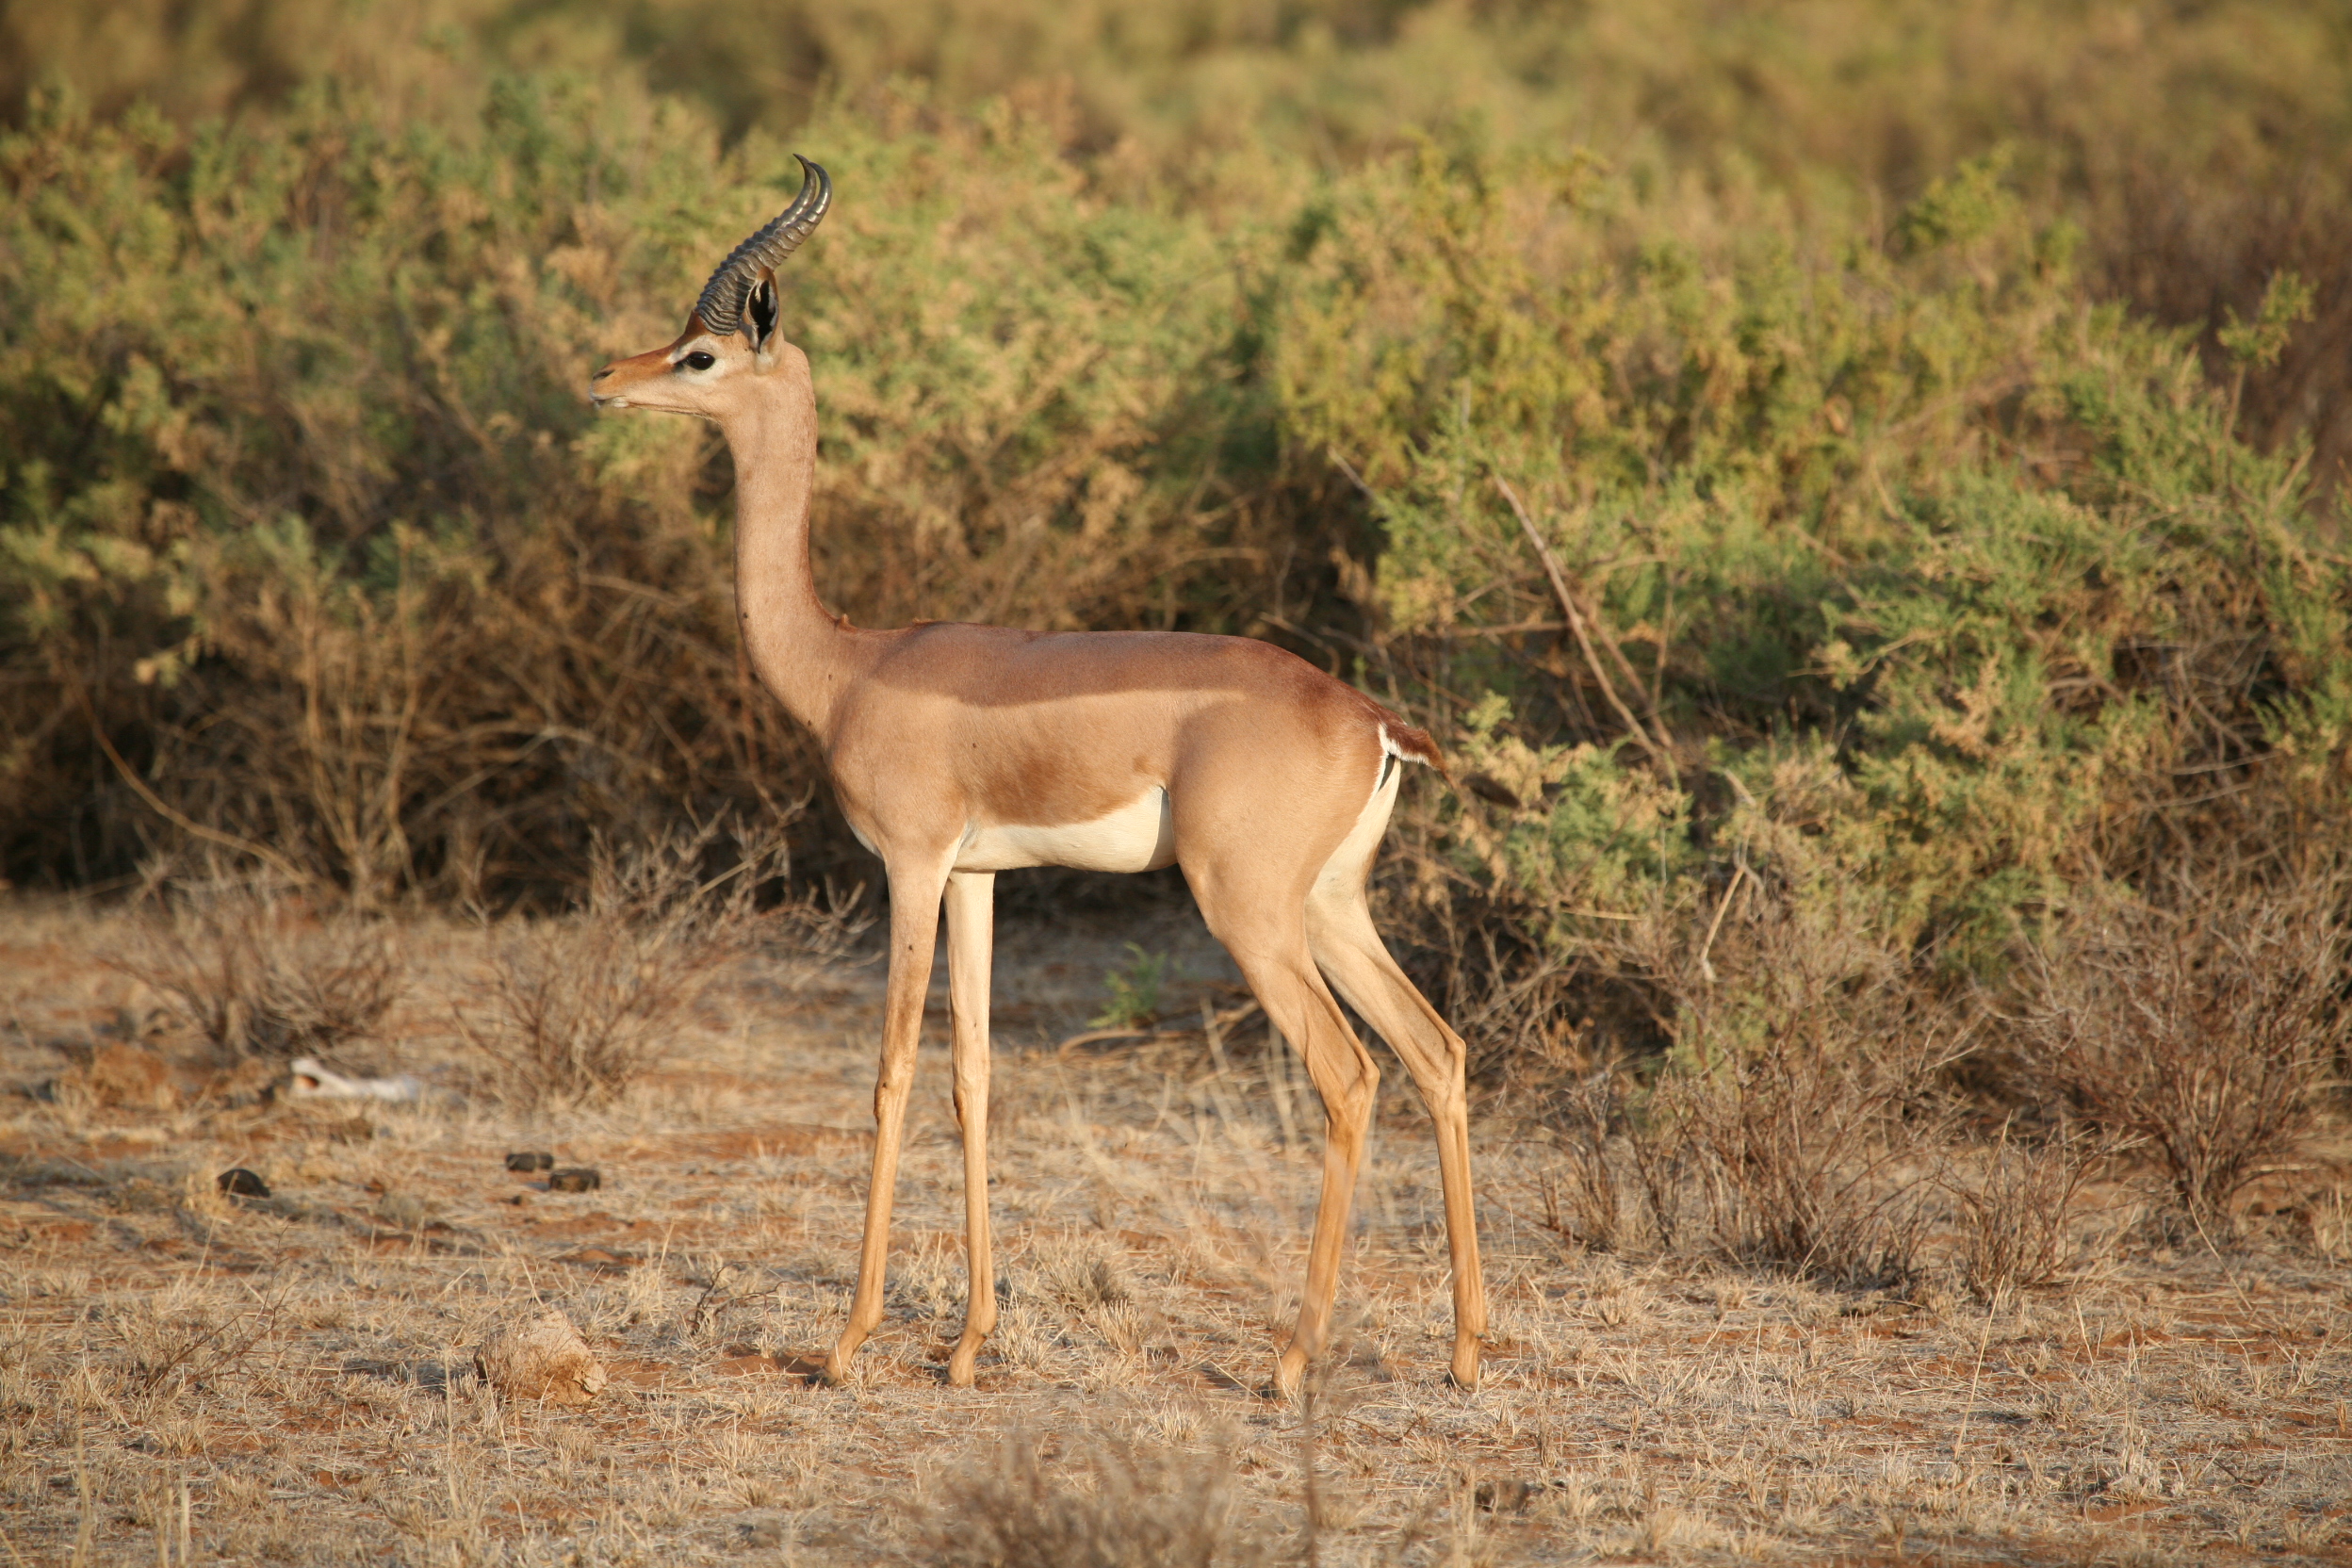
1076 1503
298 1368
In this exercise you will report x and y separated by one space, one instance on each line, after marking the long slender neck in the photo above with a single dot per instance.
800 652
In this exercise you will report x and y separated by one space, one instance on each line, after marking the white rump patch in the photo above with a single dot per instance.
1390 757
1139 836
1351 862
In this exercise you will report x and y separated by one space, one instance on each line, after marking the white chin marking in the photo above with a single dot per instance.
1139 836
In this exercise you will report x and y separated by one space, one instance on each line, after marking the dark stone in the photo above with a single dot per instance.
578 1178
530 1160
237 1182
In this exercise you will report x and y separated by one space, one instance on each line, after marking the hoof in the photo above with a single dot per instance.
1290 1375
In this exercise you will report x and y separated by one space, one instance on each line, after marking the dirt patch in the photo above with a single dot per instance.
763 1143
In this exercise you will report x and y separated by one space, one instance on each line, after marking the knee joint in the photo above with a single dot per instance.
1356 1093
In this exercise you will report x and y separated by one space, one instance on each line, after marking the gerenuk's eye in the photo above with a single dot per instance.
697 361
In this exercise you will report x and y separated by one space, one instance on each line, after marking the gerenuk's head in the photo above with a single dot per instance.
731 338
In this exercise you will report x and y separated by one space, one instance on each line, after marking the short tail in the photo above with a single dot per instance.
1400 739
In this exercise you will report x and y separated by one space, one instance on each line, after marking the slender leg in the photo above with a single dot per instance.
1349 948
914 934
1348 1082
971 896
1273 957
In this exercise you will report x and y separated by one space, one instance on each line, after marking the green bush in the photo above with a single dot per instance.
1911 548
2199 147
314 552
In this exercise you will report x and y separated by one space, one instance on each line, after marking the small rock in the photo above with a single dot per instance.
237 1182
577 1178
761 1536
530 1160
520 1199
541 1358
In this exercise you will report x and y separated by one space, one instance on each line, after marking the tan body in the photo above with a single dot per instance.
959 751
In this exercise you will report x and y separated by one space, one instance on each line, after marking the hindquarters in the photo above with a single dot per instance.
1348 949
1286 895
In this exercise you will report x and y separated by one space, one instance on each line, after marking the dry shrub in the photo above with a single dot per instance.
1801 1104
1112 1506
1584 1202
1595 1206
259 976
575 1009
2018 1212
2207 1028
170 1339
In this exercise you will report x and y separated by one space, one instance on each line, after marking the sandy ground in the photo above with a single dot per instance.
186 1377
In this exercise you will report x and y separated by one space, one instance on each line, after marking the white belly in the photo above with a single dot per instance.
1139 836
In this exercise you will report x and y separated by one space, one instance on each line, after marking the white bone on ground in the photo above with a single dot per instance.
315 1079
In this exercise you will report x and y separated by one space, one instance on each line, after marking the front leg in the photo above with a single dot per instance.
971 896
914 934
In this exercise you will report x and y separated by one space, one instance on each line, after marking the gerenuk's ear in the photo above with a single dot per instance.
760 312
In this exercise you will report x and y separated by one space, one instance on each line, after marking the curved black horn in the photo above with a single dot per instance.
721 306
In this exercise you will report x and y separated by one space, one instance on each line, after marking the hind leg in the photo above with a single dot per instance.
1348 946
1262 926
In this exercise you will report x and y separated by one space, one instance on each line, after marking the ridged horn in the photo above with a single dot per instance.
721 306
